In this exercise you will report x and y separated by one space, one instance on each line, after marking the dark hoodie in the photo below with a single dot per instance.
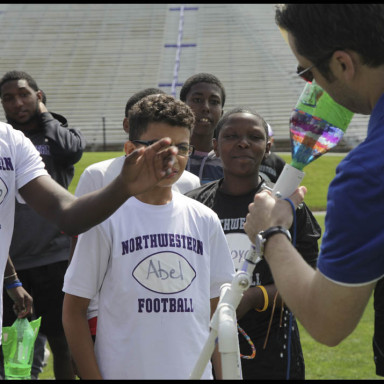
35 240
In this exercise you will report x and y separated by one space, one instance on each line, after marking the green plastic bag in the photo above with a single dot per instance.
18 345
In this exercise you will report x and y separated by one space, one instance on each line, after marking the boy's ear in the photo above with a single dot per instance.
126 124
129 147
215 147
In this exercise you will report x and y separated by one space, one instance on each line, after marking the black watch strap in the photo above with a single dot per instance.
273 231
263 236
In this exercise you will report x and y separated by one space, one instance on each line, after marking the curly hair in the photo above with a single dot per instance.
18 75
201 78
139 95
158 108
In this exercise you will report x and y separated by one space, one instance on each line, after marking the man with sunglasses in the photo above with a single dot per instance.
341 46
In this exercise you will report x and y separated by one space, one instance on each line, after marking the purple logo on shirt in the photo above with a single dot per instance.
3 190
6 164
164 272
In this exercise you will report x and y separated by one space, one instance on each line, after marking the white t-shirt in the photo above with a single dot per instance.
100 174
186 182
20 163
156 267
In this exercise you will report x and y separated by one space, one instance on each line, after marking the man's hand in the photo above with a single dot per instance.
146 166
42 107
22 301
267 211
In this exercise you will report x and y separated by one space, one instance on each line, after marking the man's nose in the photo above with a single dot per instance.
18 101
206 105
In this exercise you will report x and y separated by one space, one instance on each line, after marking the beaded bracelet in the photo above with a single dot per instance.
252 356
266 301
14 284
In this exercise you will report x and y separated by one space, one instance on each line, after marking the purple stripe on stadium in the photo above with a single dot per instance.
185 9
170 84
177 46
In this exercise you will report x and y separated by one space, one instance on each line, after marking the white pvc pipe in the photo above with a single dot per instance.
288 181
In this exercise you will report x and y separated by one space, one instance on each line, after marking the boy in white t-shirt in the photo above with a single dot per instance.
157 264
100 174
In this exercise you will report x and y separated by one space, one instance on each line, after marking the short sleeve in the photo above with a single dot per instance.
353 242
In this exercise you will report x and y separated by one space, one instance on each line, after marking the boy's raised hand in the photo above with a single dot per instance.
146 166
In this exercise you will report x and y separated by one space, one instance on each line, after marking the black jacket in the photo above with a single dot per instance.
271 362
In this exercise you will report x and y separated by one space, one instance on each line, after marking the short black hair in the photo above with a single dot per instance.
201 78
321 29
18 75
139 95
225 117
158 108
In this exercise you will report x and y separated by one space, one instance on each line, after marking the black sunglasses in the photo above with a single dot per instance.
306 73
183 149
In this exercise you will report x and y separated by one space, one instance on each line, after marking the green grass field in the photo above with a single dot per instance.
350 360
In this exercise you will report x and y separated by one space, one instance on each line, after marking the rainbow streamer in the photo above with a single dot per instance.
311 137
317 124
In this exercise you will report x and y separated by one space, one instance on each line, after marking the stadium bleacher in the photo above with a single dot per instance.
90 58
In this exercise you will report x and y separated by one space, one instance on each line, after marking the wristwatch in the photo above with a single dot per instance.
263 236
